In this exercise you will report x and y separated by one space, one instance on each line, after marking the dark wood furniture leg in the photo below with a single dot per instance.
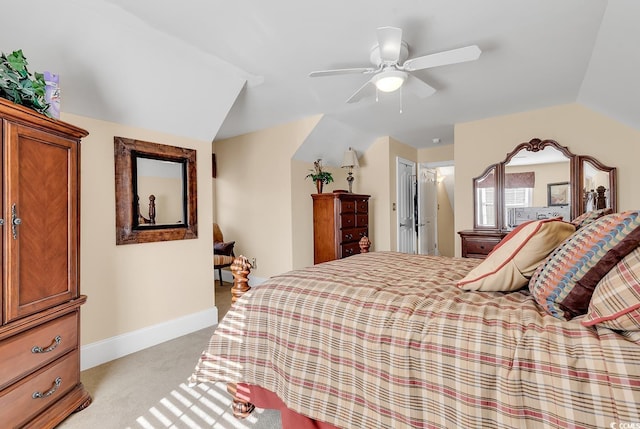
240 268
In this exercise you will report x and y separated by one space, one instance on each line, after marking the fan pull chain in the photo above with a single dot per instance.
401 100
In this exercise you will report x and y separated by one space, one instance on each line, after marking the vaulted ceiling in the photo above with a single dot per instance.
216 69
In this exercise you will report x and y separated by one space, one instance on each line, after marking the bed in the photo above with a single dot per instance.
390 340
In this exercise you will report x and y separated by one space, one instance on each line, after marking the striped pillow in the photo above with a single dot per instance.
588 217
511 263
565 281
616 300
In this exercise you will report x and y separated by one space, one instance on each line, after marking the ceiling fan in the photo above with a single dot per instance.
392 68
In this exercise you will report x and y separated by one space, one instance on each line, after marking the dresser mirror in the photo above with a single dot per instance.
156 194
541 179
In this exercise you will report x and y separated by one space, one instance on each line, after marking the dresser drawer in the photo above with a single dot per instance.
347 221
479 247
347 206
24 352
353 234
362 206
349 249
362 219
22 401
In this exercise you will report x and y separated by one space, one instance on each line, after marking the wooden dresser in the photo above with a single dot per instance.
477 243
340 220
40 296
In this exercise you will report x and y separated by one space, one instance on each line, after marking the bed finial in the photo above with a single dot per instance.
241 267
364 244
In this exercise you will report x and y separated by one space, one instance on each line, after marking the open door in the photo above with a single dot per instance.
427 197
405 201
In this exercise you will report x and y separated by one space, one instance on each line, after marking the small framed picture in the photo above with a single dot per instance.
558 194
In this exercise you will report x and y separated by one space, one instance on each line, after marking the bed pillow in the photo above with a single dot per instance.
586 218
564 283
616 301
512 262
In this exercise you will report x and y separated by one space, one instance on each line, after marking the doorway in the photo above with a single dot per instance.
420 198
406 205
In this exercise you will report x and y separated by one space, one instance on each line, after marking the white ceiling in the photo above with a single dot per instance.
215 69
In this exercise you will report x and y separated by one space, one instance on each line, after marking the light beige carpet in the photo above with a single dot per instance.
148 389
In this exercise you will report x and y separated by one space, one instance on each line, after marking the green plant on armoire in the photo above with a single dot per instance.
18 85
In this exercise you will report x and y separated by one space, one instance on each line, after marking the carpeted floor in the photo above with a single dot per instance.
148 389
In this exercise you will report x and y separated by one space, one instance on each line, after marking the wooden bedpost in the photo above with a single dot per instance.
364 244
241 267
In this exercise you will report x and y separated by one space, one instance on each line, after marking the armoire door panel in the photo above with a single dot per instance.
42 211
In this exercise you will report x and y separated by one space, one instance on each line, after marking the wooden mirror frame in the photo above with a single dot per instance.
576 176
125 150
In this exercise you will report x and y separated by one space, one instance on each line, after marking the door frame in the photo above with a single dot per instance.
400 160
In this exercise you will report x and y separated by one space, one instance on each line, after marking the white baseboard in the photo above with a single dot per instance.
103 351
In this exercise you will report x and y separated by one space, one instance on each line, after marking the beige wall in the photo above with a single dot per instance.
134 286
436 154
373 178
583 131
446 227
261 193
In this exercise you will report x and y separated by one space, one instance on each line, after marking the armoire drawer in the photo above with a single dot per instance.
21 354
24 400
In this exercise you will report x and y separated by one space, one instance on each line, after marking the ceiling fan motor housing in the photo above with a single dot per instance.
376 59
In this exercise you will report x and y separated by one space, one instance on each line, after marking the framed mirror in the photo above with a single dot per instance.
541 179
484 199
156 192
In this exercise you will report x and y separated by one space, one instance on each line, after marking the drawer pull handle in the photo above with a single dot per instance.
56 383
56 341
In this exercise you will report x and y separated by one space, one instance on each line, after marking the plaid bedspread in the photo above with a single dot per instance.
386 340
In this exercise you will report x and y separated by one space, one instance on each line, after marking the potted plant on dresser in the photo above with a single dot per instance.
319 176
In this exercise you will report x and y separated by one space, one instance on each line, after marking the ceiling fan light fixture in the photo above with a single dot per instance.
390 80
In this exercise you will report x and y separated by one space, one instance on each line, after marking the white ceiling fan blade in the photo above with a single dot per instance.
389 43
359 70
418 87
366 90
454 56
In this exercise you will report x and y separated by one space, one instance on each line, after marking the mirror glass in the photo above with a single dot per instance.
160 189
597 185
536 186
485 199
156 192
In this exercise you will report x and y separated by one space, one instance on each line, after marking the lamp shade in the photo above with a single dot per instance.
390 80
350 159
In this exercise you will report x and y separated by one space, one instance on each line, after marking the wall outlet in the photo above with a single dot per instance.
254 263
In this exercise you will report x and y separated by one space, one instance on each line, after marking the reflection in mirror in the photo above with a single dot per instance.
160 188
596 187
529 177
485 199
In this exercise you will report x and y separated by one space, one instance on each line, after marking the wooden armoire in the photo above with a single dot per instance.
39 246
340 220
